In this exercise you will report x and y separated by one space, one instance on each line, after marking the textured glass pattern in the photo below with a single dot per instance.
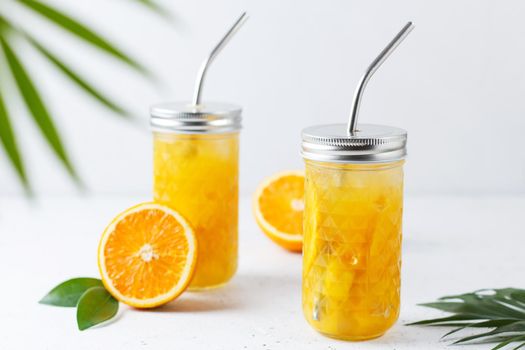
197 175
352 248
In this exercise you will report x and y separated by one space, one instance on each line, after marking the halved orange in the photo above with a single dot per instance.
147 255
278 206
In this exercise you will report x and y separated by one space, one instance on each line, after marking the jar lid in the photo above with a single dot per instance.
186 118
369 144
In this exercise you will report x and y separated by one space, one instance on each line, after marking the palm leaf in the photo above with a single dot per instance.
482 324
442 320
502 310
36 106
65 69
152 5
30 93
77 79
81 31
519 346
515 327
8 140
509 341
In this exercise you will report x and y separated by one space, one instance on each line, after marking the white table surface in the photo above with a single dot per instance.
451 245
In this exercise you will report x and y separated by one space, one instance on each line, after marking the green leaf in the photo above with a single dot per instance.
488 306
480 308
95 306
500 310
454 331
443 319
491 340
76 78
152 5
8 140
509 328
37 107
81 31
69 292
502 326
507 342
519 346
482 324
517 294
508 297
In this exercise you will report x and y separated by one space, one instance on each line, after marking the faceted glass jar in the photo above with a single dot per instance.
352 247
197 175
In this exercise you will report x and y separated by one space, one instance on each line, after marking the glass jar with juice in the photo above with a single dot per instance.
352 231
352 223
196 172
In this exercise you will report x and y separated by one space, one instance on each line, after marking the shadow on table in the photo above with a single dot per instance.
244 291
403 336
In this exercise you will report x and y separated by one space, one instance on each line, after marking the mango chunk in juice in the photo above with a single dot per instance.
352 248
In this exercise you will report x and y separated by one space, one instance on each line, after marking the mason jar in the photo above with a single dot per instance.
196 172
352 229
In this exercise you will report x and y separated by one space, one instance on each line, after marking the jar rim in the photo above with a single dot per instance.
186 118
372 143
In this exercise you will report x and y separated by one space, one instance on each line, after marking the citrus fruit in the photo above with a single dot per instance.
278 208
147 255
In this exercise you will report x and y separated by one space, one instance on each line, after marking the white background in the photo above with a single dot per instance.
456 84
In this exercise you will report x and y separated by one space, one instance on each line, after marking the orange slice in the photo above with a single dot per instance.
147 255
278 208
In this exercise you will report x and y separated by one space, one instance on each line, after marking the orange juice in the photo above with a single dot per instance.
352 248
352 229
352 220
196 172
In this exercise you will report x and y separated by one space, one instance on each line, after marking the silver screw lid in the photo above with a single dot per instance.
186 118
369 144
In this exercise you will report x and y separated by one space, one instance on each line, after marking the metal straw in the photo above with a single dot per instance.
199 83
374 66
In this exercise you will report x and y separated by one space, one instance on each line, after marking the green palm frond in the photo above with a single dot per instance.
500 310
77 79
31 96
155 7
8 140
36 106
81 31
